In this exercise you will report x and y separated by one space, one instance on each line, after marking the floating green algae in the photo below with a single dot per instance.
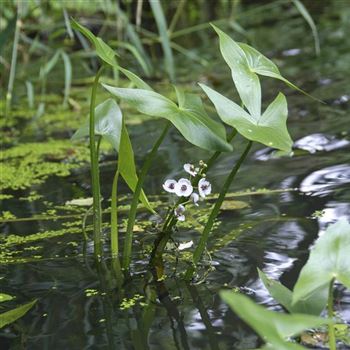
28 164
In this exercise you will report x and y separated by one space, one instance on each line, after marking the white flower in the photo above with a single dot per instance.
195 198
204 187
185 245
183 188
179 212
169 185
189 168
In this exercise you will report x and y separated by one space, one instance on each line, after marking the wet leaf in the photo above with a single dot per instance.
269 129
279 326
14 314
233 205
105 52
191 120
329 259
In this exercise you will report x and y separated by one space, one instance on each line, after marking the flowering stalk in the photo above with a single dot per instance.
214 213
171 219
135 199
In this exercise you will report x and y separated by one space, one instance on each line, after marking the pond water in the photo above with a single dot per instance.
276 209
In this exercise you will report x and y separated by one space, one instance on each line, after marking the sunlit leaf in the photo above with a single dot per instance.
105 52
193 124
14 314
109 125
245 63
246 81
5 297
313 305
81 202
329 259
269 129
274 327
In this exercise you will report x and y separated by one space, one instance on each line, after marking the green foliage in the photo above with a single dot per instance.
246 64
5 297
274 327
109 125
190 119
269 129
312 305
14 314
105 52
164 37
329 259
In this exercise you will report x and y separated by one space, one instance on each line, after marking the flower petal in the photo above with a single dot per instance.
169 185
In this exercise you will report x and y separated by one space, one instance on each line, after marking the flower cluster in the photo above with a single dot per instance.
185 187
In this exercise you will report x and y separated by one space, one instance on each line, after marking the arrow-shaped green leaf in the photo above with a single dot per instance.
191 120
269 129
329 259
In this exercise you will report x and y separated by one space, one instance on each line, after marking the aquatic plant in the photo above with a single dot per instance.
328 262
189 117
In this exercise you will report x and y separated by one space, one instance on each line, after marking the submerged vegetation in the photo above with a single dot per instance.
139 183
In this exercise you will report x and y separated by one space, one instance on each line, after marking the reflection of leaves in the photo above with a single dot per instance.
329 259
14 314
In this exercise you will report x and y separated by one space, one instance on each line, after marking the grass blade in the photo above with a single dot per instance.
67 77
305 13
164 38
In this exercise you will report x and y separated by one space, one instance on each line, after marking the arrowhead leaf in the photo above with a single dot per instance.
269 129
279 326
14 314
329 259
105 52
190 119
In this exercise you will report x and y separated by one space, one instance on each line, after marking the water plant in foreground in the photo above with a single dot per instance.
329 262
190 118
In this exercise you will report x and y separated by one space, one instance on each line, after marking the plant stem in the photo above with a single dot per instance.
171 220
214 213
13 66
331 331
114 217
95 176
132 213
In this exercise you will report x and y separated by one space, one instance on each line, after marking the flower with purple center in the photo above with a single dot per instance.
169 185
204 187
183 188
179 213
189 168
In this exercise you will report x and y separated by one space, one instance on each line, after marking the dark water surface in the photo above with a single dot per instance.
78 305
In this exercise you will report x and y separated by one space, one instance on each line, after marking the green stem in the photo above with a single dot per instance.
95 176
135 199
13 67
331 331
114 217
214 213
